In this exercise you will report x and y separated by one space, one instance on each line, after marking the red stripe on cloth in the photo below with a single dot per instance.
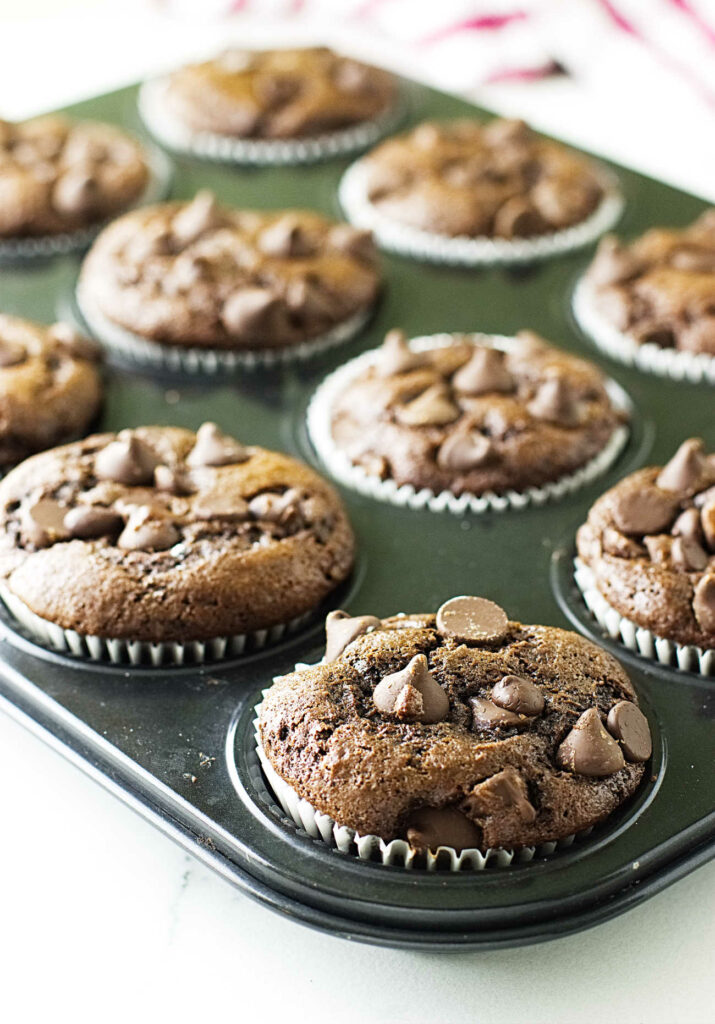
482 23
533 74
686 8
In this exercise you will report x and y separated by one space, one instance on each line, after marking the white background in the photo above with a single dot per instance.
101 918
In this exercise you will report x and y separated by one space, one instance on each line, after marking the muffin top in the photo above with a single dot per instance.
278 94
197 274
466 178
650 542
660 289
469 417
59 175
50 386
461 729
163 534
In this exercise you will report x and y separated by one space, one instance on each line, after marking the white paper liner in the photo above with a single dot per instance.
135 652
687 657
179 359
462 250
45 246
342 469
397 852
666 362
171 132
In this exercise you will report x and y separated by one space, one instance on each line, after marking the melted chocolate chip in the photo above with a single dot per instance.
193 220
433 408
76 192
515 693
285 238
172 480
630 726
589 750
431 827
276 508
227 507
395 355
88 521
128 460
412 694
688 525
249 310
688 555
555 402
145 533
704 604
504 791
472 620
11 352
464 451
487 715
707 519
42 523
685 469
647 510
214 448
341 629
484 372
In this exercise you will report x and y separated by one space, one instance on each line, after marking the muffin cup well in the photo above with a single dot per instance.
686 657
397 852
461 250
666 362
46 246
342 469
139 652
170 132
179 359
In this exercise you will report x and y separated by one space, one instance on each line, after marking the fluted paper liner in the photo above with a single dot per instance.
695 367
342 469
139 652
171 132
687 657
462 250
206 360
46 246
397 852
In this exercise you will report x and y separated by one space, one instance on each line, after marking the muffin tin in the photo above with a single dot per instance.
176 743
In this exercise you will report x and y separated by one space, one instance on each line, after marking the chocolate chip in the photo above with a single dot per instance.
42 523
275 508
487 715
433 408
707 518
688 525
143 532
412 694
341 629
128 460
75 344
172 480
396 356
589 750
88 521
76 192
356 243
228 507
472 620
630 726
704 604
464 451
517 218
428 828
202 214
11 352
515 693
249 311
555 402
214 448
688 555
646 510
504 791
484 372
704 498
685 469
285 238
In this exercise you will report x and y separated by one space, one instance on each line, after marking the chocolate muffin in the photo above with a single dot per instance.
650 545
58 175
50 386
163 535
277 94
659 289
460 729
461 190
199 275
465 414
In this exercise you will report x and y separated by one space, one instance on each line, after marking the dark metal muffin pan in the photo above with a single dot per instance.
177 744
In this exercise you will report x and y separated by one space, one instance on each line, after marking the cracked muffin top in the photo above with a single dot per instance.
650 542
162 534
59 175
471 418
460 729
470 179
50 386
278 94
660 288
199 274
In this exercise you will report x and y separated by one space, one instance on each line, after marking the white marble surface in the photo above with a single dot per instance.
103 919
